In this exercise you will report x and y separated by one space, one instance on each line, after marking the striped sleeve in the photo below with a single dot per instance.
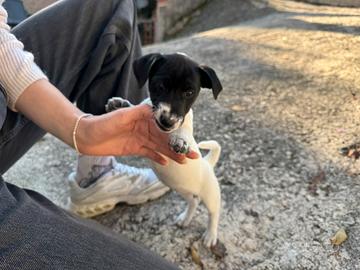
17 67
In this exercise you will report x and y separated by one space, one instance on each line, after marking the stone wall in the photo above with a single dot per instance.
172 15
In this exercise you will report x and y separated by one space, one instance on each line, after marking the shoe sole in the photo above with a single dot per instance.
98 208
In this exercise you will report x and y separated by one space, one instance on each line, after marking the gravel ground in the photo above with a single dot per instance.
290 100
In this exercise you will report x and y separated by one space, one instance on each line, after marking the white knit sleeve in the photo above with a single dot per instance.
17 67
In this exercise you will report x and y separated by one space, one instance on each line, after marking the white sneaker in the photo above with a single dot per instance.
122 183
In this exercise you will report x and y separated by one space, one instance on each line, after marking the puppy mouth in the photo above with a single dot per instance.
167 130
160 126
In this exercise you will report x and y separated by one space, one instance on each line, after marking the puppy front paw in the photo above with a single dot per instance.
183 220
209 238
179 145
117 103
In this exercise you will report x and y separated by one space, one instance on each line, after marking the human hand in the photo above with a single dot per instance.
127 131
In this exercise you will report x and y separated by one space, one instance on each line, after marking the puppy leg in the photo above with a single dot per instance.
182 138
185 217
212 200
117 103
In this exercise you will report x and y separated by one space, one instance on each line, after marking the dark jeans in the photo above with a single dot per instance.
86 48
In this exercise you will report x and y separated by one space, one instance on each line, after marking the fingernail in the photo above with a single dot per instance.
193 155
196 155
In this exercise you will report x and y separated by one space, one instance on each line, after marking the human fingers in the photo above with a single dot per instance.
179 158
156 133
162 139
192 155
130 115
162 148
165 149
151 154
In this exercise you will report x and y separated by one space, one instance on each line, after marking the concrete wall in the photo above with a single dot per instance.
173 15
340 3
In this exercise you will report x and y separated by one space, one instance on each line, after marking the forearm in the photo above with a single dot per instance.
46 106
129 131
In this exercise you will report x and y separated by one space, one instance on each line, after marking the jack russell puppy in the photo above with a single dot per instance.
174 84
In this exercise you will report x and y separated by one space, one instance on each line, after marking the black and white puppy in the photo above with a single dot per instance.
175 81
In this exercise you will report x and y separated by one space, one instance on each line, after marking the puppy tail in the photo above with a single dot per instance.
214 151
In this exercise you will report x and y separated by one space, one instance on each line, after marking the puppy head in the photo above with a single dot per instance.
174 84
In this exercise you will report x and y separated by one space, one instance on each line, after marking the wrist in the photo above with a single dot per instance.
81 133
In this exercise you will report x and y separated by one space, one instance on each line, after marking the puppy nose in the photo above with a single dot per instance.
167 122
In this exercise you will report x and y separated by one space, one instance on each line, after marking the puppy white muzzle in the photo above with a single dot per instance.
166 120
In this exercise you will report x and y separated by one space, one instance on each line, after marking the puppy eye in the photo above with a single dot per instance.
188 94
161 88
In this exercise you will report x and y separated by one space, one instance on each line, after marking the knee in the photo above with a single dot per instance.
124 6
123 16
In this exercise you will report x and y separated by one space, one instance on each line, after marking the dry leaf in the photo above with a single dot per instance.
351 151
219 250
237 108
339 237
195 256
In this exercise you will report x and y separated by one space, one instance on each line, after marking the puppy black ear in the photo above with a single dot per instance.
142 67
209 79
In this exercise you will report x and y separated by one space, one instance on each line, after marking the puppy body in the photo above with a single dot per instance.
195 181
174 84
193 176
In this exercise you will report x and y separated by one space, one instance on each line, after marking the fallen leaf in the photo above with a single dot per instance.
195 256
219 250
237 108
351 151
339 237
355 154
